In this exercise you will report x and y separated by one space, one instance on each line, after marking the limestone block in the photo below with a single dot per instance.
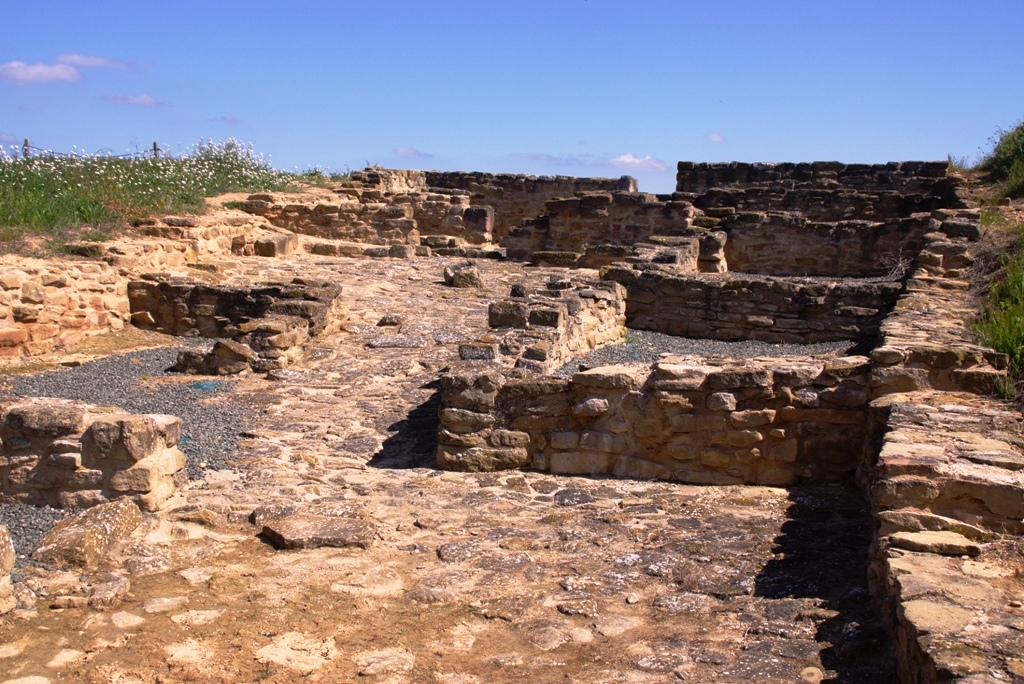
563 440
462 418
591 407
51 418
308 531
83 539
121 437
276 245
508 314
753 418
722 401
7 555
464 275
481 459
607 377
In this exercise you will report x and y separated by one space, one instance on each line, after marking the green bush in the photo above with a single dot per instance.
1001 323
48 192
1005 163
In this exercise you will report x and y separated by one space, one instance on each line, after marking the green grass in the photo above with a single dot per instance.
1000 324
46 195
1005 163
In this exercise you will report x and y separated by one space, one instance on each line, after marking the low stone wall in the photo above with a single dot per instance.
926 342
734 307
46 305
945 480
270 322
72 455
376 218
773 422
541 330
518 197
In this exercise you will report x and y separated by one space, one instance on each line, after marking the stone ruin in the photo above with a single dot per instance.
877 255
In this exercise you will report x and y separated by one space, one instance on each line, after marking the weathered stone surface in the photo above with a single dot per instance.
83 539
307 531
945 543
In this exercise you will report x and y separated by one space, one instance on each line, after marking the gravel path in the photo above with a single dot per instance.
646 346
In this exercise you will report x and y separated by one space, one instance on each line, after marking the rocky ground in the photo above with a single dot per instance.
451 577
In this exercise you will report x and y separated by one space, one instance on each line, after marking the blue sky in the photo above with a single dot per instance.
581 87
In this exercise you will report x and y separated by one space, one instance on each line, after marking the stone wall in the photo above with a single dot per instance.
518 197
374 217
71 455
273 320
46 305
544 329
571 224
772 422
822 191
944 477
737 307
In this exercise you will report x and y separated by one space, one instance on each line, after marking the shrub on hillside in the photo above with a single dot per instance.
1005 163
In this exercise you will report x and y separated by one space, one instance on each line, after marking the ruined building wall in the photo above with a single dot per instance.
46 305
518 197
771 423
751 308
766 186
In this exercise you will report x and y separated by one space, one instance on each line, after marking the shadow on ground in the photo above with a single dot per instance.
413 439
822 553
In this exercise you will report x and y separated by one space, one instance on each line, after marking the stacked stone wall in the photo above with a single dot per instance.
542 330
71 455
376 218
518 197
47 305
911 179
736 307
773 423
270 322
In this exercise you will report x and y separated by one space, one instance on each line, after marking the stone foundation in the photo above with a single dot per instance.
542 330
272 321
46 305
72 455
737 307
772 422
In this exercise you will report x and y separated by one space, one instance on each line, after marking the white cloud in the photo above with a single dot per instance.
716 138
229 119
632 162
557 160
412 152
143 100
92 62
64 69
22 74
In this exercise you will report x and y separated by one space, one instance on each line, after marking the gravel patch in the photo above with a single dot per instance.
646 346
210 421
27 525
